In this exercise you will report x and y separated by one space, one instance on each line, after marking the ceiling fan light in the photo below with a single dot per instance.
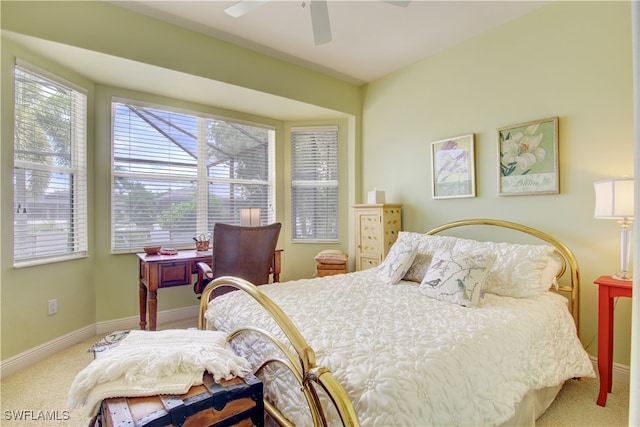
242 7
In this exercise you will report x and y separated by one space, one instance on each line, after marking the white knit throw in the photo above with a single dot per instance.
147 363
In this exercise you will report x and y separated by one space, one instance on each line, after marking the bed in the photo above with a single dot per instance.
447 330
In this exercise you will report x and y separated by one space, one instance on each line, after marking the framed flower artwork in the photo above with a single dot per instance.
529 158
452 167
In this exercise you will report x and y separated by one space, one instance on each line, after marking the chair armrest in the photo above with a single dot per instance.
205 270
205 275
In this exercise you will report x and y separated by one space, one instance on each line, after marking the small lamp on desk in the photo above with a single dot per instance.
614 200
250 217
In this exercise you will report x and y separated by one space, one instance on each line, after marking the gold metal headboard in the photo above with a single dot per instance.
566 256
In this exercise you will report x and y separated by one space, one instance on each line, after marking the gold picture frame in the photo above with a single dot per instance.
453 167
528 158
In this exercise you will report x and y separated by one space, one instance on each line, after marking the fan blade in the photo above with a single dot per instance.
243 6
401 3
320 21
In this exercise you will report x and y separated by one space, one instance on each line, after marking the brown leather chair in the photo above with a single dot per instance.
245 252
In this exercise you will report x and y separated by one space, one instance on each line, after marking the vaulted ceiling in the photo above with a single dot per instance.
369 38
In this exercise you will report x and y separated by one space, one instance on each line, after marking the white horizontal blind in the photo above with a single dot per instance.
314 185
49 173
175 174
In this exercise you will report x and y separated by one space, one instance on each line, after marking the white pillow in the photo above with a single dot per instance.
426 243
517 271
548 277
457 277
397 262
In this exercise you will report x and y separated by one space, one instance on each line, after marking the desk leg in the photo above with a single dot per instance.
143 306
605 343
153 309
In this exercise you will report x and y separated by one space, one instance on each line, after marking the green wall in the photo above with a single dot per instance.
568 59
25 291
104 287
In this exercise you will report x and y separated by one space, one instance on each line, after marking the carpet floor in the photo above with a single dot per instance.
37 396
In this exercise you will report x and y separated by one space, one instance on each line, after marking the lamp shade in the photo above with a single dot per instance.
614 198
250 217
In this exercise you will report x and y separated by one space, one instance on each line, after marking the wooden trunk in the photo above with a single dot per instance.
330 269
237 402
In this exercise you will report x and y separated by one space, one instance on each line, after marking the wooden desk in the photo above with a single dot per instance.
164 271
608 289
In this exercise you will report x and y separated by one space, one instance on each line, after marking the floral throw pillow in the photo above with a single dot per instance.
397 262
457 277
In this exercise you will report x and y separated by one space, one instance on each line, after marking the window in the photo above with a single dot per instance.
314 183
175 174
49 168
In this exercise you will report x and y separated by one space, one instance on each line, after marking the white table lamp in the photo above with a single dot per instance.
250 217
614 200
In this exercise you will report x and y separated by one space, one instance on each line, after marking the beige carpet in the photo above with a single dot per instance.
38 395
576 406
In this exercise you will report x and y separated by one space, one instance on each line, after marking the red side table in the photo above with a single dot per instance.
608 289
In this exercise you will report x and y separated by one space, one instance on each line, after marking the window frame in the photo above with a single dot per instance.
321 183
204 181
77 223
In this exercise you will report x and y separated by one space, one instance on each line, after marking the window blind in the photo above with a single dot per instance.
49 169
314 184
175 174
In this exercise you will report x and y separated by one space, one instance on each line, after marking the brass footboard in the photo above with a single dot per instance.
302 364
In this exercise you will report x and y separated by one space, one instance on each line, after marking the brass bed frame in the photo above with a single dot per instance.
571 284
302 364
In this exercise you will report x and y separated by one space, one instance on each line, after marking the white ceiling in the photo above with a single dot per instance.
371 38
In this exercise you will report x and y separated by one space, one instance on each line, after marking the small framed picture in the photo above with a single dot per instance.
452 168
528 158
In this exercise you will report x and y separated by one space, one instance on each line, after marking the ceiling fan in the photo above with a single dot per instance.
319 15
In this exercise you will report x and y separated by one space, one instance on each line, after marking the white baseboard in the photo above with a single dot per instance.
25 359
134 321
20 361
621 373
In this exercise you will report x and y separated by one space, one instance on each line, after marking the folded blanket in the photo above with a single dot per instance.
147 363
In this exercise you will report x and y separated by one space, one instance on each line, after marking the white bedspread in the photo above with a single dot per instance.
406 359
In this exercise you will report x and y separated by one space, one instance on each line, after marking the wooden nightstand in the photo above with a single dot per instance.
608 289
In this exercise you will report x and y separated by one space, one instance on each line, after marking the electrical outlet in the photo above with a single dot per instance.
53 306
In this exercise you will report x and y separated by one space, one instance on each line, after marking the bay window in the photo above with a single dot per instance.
175 174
